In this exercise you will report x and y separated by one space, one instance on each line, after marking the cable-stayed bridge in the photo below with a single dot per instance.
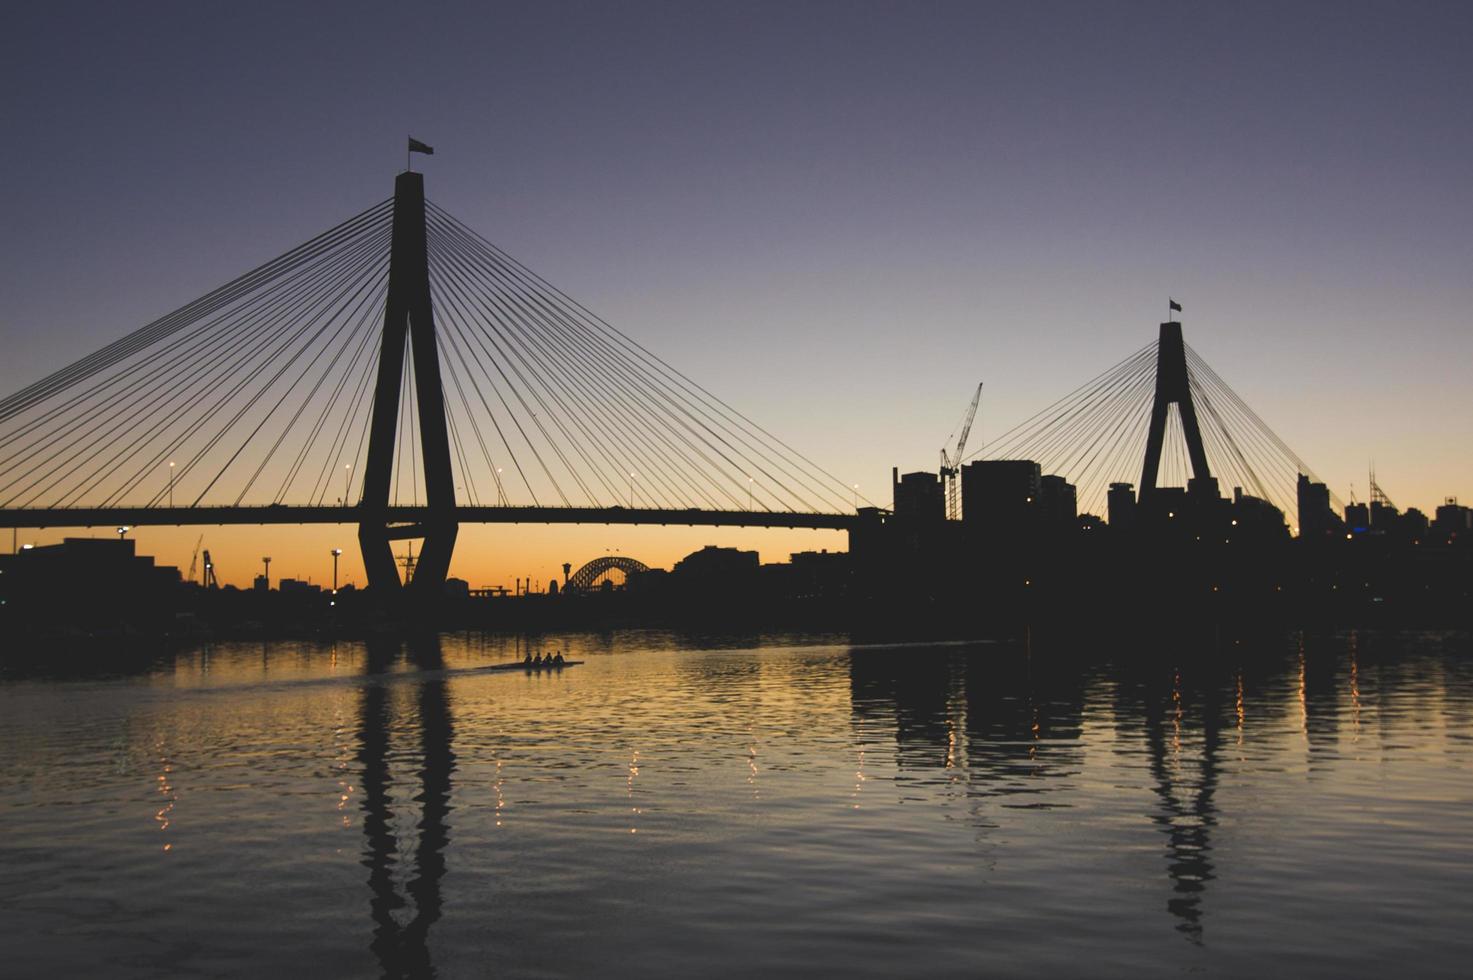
1162 417
402 373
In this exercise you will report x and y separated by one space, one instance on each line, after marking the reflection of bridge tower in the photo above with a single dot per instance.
407 311
402 947
1173 387
1184 780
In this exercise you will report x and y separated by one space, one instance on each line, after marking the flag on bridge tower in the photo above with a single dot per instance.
1172 305
415 146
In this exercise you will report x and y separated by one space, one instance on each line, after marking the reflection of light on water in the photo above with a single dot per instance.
345 793
859 778
1240 713
1303 699
1354 691
1176 716
1034 730
633 808
166 790
956 721
752 762
496 787
345 755
955 761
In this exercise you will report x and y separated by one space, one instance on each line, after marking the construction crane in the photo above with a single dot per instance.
407 560
194 558
211 582
951 463
1378 496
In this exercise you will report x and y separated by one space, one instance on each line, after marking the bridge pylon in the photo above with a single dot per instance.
1173 386
408 314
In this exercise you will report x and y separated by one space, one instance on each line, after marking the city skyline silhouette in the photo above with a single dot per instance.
1009 224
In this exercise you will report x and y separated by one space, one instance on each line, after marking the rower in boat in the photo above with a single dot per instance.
543 661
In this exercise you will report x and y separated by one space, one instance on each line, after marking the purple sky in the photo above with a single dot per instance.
838 216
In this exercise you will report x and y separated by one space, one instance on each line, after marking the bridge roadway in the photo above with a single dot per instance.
285 514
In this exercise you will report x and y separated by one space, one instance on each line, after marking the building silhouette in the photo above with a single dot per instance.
1120 501
1316 517
1000 497
1058 502
919 498
86 582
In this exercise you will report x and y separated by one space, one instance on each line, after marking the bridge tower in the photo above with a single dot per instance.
408 314
1172 386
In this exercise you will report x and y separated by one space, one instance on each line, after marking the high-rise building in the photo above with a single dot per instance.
1121 503
1058 502
1414 524
1453 520
1316 518
919 498
1384 515
1001 496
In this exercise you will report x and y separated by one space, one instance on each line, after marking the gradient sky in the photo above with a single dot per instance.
838 216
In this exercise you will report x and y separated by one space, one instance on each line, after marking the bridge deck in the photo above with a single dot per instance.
280 514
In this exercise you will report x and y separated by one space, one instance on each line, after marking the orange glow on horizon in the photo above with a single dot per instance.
485 555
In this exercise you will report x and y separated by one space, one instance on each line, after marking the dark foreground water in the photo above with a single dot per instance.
1294 807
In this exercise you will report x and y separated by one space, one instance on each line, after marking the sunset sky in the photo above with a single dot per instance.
837 216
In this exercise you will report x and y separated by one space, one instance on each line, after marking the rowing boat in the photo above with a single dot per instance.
529 668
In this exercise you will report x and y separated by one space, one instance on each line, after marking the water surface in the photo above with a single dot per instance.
783 807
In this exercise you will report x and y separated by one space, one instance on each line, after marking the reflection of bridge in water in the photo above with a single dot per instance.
1015 729
403 948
